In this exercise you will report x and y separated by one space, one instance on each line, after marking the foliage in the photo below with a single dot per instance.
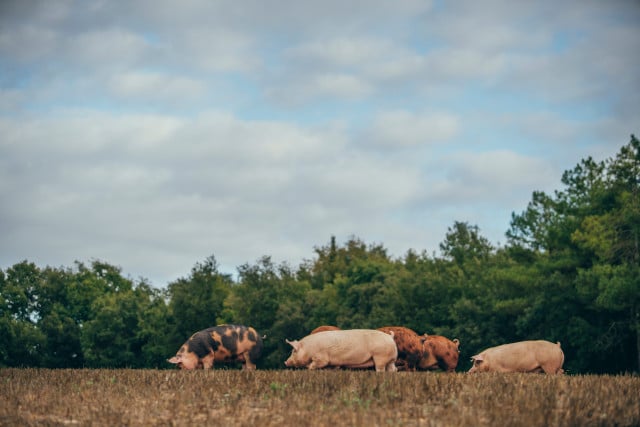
196 302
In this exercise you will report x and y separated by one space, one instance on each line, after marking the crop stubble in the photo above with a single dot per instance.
323 398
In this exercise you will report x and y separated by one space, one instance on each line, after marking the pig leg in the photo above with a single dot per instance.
207 361
550 368
391 367
318 363
382 365
248 364
402 365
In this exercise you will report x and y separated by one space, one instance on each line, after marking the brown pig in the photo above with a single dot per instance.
222 343
324 328
439 352
351 348
409 345
524 356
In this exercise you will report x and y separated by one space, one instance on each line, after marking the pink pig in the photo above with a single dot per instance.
351 348
525 356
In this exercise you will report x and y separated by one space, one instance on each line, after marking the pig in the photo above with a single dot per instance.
222 343
351 348
324 328
524 356
409 344
439 352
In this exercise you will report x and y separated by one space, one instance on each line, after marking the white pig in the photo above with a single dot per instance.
350 348
524 356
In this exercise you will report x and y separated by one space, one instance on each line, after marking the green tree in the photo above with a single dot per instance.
58 320
197 302
20 290
255 301
22 340
586 240
611 233
153 323
110 339
474 297
62 347
291 320
126 324
358 276
463 244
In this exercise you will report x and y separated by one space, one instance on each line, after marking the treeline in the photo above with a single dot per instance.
569 272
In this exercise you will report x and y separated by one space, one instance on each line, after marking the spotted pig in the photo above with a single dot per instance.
222 343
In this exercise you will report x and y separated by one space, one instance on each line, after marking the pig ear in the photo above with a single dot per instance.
477 359
174 359
293 343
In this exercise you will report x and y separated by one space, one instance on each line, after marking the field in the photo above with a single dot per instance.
322 398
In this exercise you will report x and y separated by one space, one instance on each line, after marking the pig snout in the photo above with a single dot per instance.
289 362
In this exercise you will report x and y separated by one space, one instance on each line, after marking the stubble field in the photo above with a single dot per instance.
321 398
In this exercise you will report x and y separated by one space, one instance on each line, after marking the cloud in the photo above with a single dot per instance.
213 49
358 67
335 68
100 48
464 64
492 177
150 86
320 87
28 43
192 185
156 134
493 26
405 128
11 100
340 52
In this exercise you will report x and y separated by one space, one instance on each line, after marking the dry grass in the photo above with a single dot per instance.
322 398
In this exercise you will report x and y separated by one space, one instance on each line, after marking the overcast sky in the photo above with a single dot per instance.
152 134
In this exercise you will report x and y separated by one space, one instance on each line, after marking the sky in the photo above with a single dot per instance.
152 134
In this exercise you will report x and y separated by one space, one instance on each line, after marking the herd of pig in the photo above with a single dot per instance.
389 348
